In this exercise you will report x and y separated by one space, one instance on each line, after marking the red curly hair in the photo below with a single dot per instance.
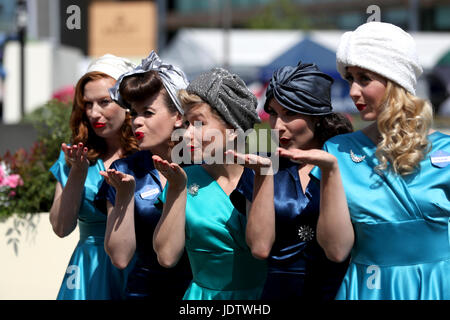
82 130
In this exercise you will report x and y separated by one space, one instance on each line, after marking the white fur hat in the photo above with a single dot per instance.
111 65
381 48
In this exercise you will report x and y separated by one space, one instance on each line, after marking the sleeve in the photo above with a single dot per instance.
159 203
243 194
106 191
60 170
162 196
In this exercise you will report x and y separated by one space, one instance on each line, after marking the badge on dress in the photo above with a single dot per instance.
149 193
440 158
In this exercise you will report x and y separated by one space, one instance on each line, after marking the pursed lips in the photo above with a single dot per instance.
139 135
284 140
99 124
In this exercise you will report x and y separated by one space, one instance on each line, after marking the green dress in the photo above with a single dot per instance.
222 265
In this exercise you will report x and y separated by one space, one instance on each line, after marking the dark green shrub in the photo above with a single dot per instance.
36 194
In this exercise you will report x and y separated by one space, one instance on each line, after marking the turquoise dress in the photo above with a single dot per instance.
402 248
222 265
90 274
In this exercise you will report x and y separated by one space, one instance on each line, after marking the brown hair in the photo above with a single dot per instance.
331 125
141 86
82 130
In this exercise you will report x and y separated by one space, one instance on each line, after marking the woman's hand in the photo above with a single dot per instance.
76 155
123 183
259 164
174 174
322 159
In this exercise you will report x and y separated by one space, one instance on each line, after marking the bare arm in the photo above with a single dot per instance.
120 235
335 232
169 235
260 230
67 200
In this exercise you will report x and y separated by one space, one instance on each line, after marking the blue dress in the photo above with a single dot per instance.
90 274
402 248
148 280
222 265
298 267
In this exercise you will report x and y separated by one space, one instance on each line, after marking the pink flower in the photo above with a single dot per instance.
2 175
13 181
12 194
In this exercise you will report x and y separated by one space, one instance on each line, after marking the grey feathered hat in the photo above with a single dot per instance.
228 95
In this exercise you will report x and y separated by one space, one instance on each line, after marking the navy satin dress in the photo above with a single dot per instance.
297 265
148 280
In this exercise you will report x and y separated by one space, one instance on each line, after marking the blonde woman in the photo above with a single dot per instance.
199 214
385 189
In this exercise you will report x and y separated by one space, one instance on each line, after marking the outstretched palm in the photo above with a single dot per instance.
76 155
174 174
119 180
259 164
317 157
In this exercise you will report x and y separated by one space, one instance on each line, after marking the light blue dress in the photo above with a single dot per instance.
402 248
222 265
90 274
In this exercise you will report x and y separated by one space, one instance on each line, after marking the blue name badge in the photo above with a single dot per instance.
149 193
440 159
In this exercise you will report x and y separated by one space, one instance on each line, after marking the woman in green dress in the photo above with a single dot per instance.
198 213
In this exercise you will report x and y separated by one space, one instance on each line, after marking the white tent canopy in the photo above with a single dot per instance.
197 50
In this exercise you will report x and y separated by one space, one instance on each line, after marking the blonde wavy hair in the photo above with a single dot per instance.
403 124
191 100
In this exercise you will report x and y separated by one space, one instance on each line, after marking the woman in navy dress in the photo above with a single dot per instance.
101 133
298 102
133 184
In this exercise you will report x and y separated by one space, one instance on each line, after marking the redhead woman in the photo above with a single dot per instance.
101 133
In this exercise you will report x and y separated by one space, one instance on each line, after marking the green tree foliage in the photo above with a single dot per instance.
280 14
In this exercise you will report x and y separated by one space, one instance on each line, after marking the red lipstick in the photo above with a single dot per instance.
99 124
139 135
360 106
284 141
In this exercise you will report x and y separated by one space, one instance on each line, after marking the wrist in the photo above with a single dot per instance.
79 171
125 193
176 189
330 166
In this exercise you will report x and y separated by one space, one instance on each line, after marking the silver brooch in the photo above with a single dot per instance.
306 233
355 158
193 189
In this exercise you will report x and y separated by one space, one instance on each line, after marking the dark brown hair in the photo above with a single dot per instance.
331 125
142 86
82 130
